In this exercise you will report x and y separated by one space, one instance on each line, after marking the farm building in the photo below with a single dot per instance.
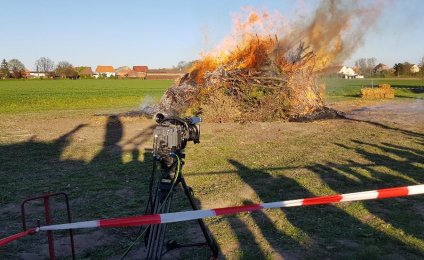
105 70
415 69
36 74
140 71
122 72
140 68
356 70
26 73
165 73
343 71
136 74
381 67
84 71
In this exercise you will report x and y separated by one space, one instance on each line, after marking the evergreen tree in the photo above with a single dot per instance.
4 70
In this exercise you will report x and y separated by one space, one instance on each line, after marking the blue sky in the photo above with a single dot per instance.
162 33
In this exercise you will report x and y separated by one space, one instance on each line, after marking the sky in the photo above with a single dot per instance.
160 34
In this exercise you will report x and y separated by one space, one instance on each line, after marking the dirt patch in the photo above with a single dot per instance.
407 113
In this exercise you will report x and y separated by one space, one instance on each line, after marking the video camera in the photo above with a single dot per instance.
172 135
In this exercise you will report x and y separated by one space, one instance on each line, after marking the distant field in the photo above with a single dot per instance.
345 89
42 95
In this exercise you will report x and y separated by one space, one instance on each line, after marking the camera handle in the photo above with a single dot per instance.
156 234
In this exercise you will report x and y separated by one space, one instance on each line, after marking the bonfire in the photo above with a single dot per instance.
255 76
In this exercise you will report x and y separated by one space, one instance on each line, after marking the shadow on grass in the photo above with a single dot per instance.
377 229
398 222
106 185
97 189
298 233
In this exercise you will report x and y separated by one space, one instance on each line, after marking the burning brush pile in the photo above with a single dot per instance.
255 76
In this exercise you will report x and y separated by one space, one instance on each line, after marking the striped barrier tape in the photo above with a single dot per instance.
7 240
199 214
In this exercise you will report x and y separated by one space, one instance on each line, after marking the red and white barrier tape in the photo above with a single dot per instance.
199 214
7 240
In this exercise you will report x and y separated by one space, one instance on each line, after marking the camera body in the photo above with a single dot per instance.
172 135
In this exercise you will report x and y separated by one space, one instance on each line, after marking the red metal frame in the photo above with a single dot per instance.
46 196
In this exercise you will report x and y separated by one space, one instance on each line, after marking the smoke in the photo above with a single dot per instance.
334 31
147 101
337 29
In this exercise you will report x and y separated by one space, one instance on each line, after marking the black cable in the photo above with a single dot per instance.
149 201
175 164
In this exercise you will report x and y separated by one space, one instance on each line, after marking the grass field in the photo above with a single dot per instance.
41 95
342 89
103 164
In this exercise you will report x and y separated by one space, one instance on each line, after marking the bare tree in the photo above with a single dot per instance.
371 63
65 69
15 64
44 64
366 65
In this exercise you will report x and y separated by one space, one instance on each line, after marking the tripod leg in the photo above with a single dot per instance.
156 236
211 242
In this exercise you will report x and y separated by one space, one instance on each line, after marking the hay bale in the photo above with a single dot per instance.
377 93
385 86
389 93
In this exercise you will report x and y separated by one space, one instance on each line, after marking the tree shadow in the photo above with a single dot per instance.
302 232
388 165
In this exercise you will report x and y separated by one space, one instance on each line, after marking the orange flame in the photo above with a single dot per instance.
336 30
260 38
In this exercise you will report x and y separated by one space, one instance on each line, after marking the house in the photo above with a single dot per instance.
26 73
122 72
164 73
84 71
140 68
415 69
345 72
357 71
105 70
136 74
381 67
36 74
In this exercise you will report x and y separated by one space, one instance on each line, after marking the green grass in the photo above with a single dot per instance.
349 89
42 95
233 165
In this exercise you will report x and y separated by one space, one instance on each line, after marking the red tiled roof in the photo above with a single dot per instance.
140 68
103 69
381 66
84 70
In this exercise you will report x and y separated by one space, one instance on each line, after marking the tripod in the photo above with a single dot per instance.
171 171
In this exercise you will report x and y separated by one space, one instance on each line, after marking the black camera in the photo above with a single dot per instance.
173 133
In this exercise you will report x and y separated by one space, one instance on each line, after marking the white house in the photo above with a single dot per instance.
36 74
415 69
105 70
346 71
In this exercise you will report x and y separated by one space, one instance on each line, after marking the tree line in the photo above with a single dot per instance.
369 67
14 68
